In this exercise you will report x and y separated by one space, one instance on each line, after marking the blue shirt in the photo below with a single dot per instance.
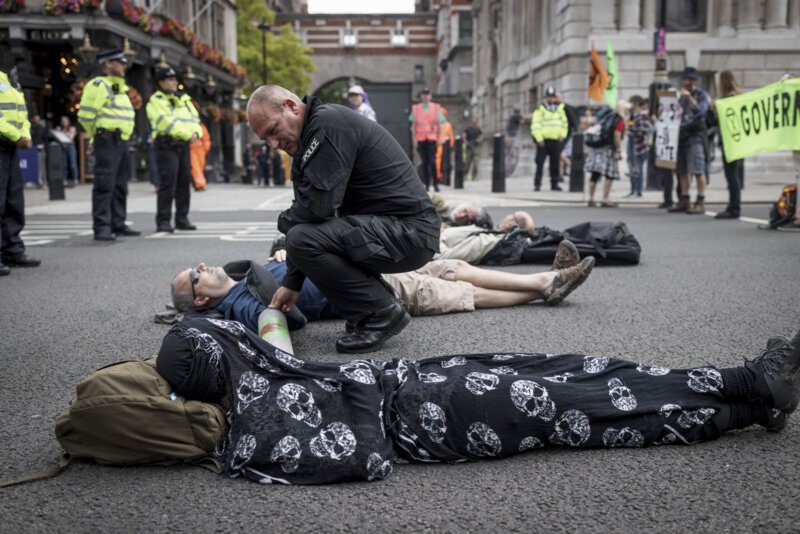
240 305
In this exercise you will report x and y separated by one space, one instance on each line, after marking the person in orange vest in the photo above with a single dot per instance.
198 151
445 135
425 118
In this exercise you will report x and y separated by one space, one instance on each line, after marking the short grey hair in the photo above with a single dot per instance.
183 301
271 96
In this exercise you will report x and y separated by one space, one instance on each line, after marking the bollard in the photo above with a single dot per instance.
458 179
55 171
578 158
499 164
447 167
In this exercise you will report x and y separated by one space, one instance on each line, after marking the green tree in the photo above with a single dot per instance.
288 64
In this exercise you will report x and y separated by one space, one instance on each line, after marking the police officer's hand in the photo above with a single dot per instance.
284 299
280 256
541 143
24 143
560 139
90 149
194 138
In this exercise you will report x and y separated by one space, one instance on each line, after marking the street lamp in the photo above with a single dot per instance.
264 27
87 51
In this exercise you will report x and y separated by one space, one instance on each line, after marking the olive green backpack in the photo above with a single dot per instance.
127 414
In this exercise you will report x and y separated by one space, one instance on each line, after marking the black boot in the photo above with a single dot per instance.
371 333
777 374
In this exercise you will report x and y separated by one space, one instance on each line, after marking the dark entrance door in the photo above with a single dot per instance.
392 105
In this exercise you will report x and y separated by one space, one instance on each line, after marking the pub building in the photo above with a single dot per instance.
55 53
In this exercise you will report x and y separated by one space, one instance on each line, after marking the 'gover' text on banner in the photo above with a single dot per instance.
764 120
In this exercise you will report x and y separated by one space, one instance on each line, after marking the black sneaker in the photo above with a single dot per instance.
777 374
776 420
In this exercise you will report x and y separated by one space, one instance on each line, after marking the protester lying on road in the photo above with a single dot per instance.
303 422
438 287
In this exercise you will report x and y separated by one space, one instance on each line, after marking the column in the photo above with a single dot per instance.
629 15
794 14
725 18
649 15
602 16
748 17
776 14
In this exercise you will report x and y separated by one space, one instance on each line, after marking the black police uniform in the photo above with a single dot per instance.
359 210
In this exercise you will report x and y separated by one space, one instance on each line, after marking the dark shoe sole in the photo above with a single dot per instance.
572 254
396 329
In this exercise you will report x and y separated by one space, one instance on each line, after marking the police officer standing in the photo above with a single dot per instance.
359 210
176 125
14 134
549 127
107 115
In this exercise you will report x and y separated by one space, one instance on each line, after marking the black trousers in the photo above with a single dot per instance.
175 171
551 149
110 190
345 256
12 202
734 175
427 153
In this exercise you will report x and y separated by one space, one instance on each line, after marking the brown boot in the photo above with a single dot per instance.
698 207
682 205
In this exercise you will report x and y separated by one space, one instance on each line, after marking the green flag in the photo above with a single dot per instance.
613 76
764 120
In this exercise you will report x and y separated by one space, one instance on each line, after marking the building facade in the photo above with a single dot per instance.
53 47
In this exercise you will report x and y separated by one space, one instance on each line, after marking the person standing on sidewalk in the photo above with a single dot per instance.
691 154
549 128
175 125
638 133
734 170
425 119
473 137
107 115
15 133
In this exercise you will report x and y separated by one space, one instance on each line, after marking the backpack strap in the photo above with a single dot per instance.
50 472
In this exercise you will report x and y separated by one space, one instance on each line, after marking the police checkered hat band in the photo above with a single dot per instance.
163 74
111 54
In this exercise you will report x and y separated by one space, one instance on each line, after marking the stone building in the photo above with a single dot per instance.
522 46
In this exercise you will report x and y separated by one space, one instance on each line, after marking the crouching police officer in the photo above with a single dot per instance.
176 125
107 115
15 133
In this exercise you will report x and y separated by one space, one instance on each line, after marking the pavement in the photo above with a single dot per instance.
705 293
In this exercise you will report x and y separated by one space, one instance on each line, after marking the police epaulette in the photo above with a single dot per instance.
159 95
97 82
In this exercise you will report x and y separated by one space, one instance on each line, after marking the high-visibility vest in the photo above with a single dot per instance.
105 104
173 116
13 112
426 123
547 124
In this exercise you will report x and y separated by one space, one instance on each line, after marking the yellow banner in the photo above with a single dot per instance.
764 120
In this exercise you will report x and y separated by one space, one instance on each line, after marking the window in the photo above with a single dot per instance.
349 37
419 73
683 15
465 25
399 38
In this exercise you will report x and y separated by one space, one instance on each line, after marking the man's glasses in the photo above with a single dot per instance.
194 277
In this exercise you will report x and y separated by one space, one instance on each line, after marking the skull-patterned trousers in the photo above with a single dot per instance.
472 407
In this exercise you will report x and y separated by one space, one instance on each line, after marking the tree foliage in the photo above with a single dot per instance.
288 64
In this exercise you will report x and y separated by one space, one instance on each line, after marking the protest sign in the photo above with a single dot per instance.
667 130
764 120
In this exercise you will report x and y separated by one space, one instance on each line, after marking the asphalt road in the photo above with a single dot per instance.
706 292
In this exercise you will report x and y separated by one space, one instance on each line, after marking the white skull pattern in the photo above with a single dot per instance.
335 441
287 453
431 378
532 399
621 396
503 370
455 360
690 418
705 379
288 359
594 364
529 443
572 428
252 386
234 327
207 344
244 450
480 383
299 403
652 370
482 440
559 379
503 357
358 370
623 437
433 420
377 467
328 384
666 410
